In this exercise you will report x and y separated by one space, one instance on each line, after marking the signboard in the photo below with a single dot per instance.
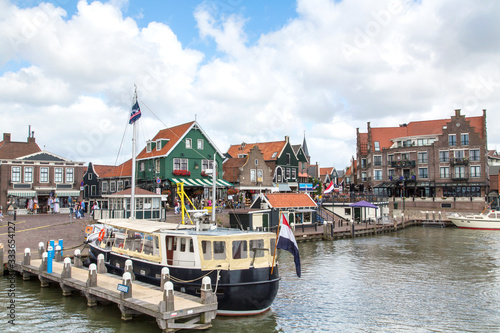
123 288
305 187
158 180
158 190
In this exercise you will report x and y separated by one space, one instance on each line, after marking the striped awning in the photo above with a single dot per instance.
20 193
67 193
200 182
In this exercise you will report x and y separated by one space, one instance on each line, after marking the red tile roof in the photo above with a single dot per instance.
231 167
417 128
11 149
172 134
121 171
283 200
325 171
101 169
267 148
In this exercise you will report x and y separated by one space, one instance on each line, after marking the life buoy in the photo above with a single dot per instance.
101 234
89 229
120 246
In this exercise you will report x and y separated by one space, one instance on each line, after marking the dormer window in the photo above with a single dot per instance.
377 145
274 154
158 145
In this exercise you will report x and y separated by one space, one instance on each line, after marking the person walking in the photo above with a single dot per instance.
82 206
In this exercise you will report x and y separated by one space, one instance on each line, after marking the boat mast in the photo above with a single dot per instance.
132 194
214 197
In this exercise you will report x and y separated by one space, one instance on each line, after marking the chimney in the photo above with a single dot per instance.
287 138
457 112
6 137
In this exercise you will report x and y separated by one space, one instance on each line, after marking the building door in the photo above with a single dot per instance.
170 242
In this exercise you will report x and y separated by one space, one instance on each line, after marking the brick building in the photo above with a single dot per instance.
427 164
30 175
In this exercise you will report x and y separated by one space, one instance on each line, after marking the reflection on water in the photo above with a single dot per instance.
418 280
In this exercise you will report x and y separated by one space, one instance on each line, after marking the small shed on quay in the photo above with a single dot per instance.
264 212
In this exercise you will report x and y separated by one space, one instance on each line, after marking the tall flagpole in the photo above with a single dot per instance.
132 195
214 179
276 243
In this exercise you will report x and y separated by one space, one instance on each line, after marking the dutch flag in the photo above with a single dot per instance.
329 188
286 241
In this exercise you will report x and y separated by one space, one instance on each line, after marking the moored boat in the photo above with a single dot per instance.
489 220
240 263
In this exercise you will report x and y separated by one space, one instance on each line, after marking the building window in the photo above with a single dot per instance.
363 177
294 174
148 147
253 175
444 156
180 164
112 186
207 165
104 188
459 154
422 173
120 185
287 173
452 139
422 157
157 166
256 162
141 166
200 144
158 145
377 174
16 174
93 190
69 175
363 163
391 173
475 171
377 145
474 155
390 159
444 172
405 157
28 174
288 159
259 175
460 172
90 176
377 160
188 144
44 175
58 175
464 139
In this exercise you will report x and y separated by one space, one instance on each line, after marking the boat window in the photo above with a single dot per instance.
239 249
169 243
273 246
257 244
134 241
206 247
150 244
183 244
191 246
219 250
119 239
176 242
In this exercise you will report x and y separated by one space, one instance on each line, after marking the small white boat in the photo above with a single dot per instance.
489 220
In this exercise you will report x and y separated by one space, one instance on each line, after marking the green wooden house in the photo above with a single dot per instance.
180 154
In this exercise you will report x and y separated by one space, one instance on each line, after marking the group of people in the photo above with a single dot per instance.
79 209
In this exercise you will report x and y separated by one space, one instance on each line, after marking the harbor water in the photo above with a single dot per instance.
414 280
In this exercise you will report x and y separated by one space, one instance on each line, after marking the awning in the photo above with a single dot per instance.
200 182
67 193
19 193
284 187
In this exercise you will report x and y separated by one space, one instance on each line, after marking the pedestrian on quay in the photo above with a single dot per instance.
56 205
82 207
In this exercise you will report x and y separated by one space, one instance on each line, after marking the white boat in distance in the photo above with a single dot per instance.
485 221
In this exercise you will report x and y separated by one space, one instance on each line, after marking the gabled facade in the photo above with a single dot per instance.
279 156
249 173
34 178
92 180
182 153
116 179
426 159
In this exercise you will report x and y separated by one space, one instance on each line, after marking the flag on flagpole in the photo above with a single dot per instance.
329 188
136 112
286 241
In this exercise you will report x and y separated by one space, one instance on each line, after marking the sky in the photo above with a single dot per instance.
246 71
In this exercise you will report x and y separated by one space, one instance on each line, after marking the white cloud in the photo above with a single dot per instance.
327 72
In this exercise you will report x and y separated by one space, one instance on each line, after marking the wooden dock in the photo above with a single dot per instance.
331 231
172 311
